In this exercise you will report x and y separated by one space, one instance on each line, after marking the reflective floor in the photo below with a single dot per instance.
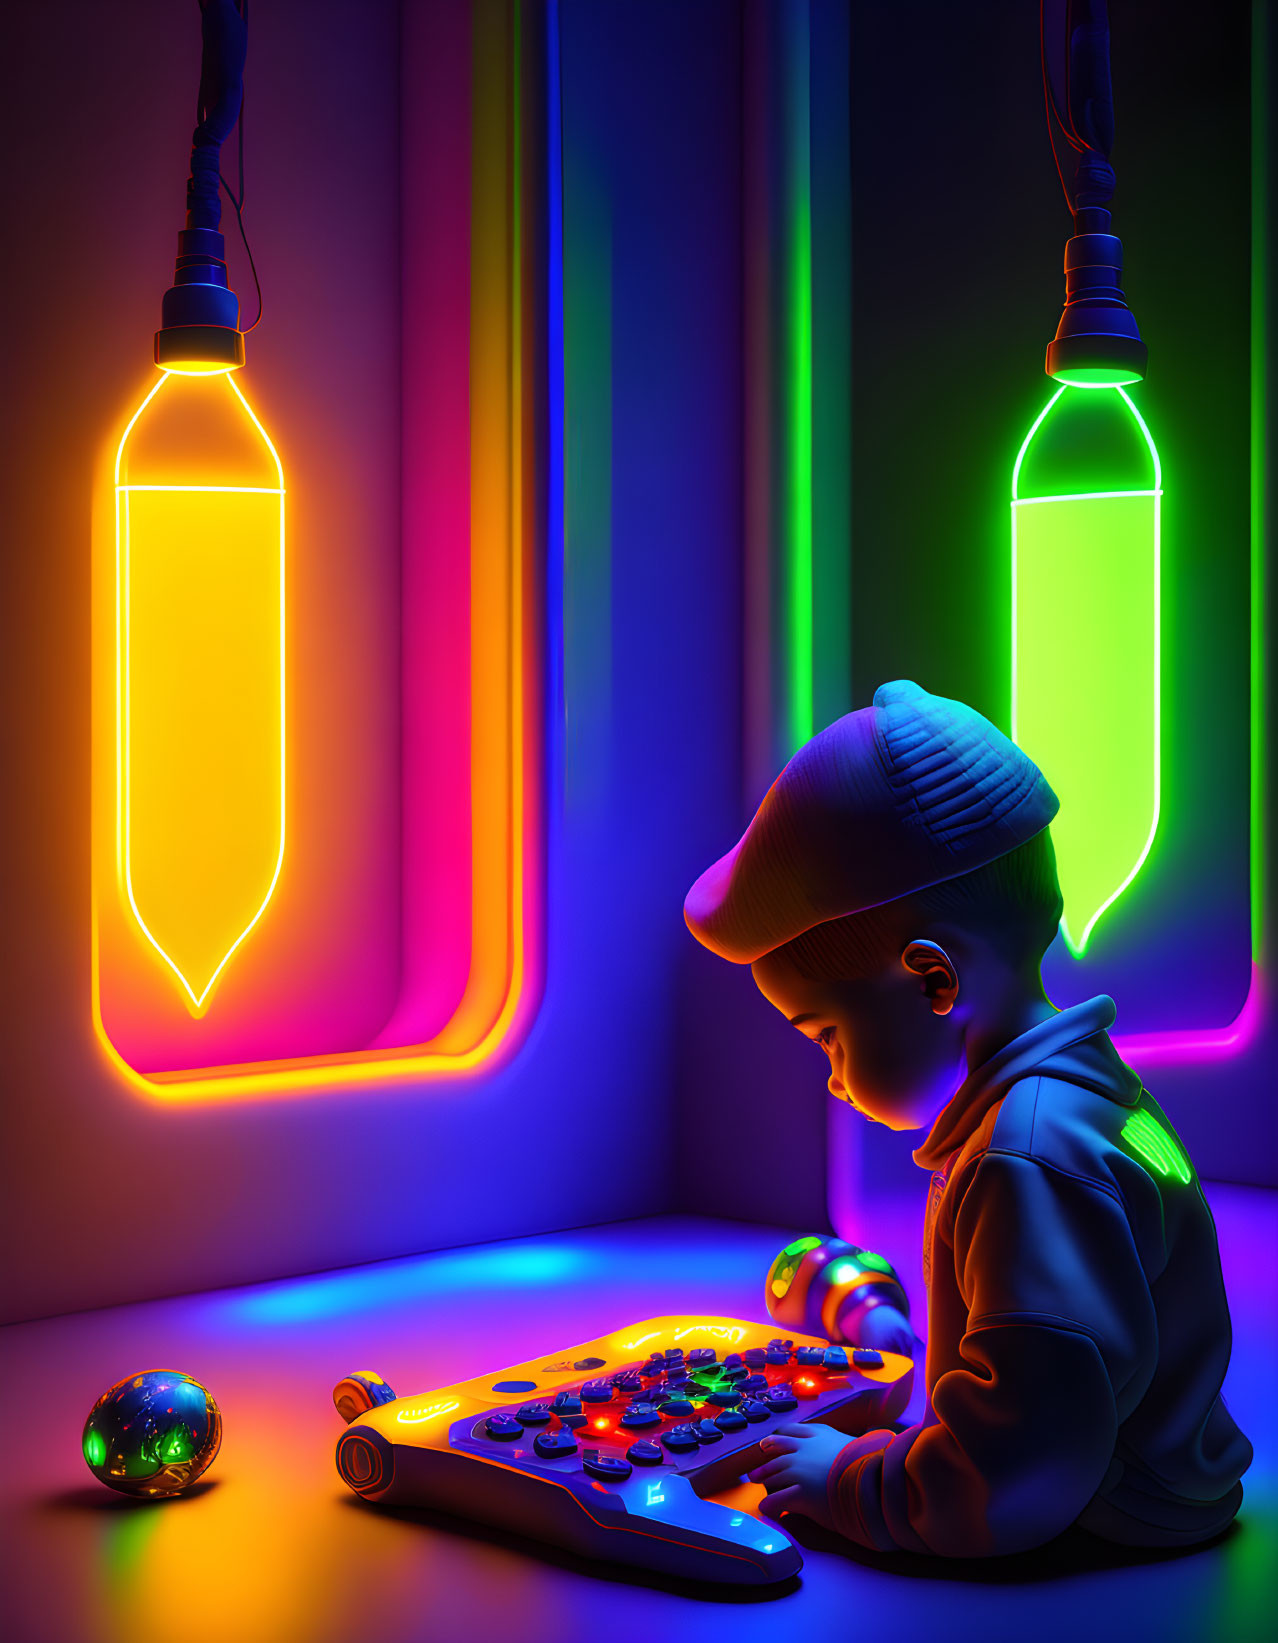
272 1549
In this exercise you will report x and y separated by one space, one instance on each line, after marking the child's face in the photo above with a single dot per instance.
891 1055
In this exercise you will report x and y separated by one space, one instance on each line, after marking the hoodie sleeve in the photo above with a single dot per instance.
1060 1328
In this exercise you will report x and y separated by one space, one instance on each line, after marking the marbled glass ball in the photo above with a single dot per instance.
152 1434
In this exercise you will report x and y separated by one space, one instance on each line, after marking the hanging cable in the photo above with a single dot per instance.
200 313
1079 98
1097 341
236 196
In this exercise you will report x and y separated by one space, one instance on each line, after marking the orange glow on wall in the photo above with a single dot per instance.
200 633
211 918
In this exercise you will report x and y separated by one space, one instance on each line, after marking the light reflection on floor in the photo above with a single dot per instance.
272 1549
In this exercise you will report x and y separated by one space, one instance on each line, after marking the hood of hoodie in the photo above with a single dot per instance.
1072 1045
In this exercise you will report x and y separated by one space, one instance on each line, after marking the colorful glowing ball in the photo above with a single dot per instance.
152 1434
825 1286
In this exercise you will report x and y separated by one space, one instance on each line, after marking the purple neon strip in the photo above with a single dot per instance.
1199 1044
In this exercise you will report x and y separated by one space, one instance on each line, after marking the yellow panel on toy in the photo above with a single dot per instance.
631 1447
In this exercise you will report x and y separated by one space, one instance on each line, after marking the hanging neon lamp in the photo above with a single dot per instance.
199 597
1086 496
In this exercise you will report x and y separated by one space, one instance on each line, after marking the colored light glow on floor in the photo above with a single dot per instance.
200 740
1086 685
526 1266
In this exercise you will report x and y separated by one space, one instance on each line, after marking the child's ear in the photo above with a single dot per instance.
940 977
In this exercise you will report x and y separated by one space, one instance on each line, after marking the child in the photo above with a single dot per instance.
894 895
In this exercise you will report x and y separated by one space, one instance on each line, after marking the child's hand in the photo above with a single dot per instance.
797 1469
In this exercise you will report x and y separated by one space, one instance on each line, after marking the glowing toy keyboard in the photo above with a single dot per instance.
615 1448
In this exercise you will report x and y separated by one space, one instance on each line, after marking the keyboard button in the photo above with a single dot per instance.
676 1407
565 1403
571 1421
755 1356
730 1421
777 1354
754 1410
810 1355
629 1380
611 1468
514 1386
836 1358
503 1427
639 1415
645 1452
707 1432
590 1363
780 1400
597 1392
865 1357
700 1356
753 1383
679 1438
555 1445
533 1414
724 1396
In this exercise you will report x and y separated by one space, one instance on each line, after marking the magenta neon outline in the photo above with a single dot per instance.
1198 1044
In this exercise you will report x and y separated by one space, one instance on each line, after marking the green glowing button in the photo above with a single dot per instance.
1146 1136
94 1448
800 1245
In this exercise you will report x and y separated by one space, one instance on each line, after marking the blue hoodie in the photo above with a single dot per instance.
1078 1331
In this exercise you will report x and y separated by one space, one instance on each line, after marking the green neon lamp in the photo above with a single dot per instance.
1086 503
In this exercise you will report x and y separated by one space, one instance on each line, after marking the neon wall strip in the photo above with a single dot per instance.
1195 1044
472 938
798 284
797 377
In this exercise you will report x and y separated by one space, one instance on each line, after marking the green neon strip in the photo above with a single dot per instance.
94 1448
1086 686
799 1245
799 488
1261 56
1146 1136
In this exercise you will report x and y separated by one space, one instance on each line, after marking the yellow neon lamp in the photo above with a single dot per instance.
199 601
